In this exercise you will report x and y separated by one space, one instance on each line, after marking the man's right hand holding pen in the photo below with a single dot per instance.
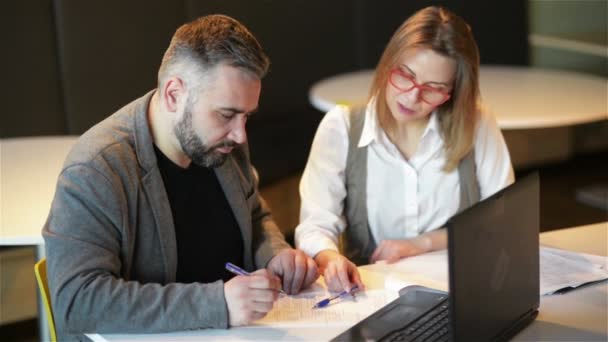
250 296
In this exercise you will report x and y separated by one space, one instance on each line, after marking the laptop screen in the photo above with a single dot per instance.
493 272
493 262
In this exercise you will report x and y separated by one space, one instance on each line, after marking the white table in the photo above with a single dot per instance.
579 315
28 175
519 97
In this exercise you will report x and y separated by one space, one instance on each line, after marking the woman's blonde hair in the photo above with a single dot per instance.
449 35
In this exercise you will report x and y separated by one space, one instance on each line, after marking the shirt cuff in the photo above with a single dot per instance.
313 245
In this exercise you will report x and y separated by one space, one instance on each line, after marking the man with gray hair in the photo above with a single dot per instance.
154 200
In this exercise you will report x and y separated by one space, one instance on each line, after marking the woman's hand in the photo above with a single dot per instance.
393 250
339 272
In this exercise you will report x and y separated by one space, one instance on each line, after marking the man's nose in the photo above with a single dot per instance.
238 133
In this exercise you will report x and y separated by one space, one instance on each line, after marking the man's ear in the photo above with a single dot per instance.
173 94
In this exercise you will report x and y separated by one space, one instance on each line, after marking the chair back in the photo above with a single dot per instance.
40 270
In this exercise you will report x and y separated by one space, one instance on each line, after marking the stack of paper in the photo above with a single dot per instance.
296 310
563 270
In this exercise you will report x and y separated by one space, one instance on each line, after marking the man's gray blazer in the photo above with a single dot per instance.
110 240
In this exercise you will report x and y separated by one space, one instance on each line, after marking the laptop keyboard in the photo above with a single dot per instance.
432 326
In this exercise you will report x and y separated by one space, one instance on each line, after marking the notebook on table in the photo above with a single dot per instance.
493 266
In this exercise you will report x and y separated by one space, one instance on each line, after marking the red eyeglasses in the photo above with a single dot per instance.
405 83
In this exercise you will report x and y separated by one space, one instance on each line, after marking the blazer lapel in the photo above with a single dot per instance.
154 188
161 211
231 184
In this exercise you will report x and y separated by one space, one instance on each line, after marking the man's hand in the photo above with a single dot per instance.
296 269
250 298
339 272
393 250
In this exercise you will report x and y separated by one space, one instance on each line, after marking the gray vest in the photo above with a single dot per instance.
357 242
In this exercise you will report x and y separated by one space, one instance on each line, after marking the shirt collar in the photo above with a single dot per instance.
372 131
433 125
371 127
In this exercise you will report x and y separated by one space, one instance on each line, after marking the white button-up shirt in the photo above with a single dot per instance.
404 197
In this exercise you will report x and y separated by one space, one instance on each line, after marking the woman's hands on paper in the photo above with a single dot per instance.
340 273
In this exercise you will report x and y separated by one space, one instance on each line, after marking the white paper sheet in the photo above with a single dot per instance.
562 270
430 270
297 310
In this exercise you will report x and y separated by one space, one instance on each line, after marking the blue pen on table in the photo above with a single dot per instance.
232 268
326 301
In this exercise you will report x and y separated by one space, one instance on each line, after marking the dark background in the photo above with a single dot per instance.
71 63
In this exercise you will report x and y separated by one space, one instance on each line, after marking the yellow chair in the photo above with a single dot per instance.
40 270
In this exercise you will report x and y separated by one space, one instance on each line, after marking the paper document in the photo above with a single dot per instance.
429 269
296 310
560 270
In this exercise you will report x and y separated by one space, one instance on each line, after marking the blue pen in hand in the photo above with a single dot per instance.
234 269
326 301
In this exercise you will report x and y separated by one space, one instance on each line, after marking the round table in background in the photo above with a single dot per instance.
28 175
519 97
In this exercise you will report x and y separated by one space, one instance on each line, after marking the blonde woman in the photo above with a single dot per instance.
382 180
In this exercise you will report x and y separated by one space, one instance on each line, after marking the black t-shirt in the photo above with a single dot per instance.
206 230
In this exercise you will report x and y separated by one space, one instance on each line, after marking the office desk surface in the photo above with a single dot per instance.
28 175
579 315
592 239
519 97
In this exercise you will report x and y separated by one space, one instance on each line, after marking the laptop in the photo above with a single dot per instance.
493 270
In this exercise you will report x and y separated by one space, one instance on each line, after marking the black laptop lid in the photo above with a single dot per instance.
493 262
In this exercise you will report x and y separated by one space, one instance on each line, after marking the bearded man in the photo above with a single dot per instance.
154 200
